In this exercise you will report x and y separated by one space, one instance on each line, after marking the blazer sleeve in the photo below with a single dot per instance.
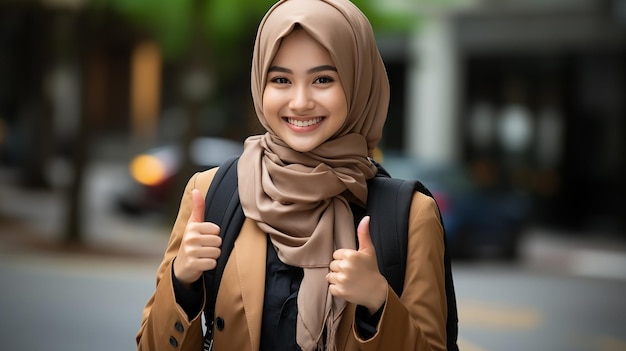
164 324
417 319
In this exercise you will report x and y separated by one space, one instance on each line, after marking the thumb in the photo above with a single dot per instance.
364 237
197 209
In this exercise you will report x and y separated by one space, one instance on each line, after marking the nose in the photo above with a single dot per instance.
301 99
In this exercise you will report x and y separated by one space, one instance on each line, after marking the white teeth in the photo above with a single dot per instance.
299 123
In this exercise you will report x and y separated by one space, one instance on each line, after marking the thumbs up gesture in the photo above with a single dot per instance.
354 274
200 246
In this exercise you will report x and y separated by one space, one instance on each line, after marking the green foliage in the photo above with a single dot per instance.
226 23
385 21
167 20
231 24
228 18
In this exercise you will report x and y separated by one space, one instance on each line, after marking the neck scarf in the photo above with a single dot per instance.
302 199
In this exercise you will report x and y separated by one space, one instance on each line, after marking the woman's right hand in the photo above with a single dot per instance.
200 245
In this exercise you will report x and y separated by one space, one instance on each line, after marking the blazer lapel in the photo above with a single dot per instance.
250 249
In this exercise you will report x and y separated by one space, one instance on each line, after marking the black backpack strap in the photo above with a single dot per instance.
388 204
222 207
452 322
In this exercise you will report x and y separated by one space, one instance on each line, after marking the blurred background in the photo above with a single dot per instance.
511 111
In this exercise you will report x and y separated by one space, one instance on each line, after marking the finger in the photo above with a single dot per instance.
199 238
207 228
363 235
334 266
334 278
206 264
209 252
342 254
197 209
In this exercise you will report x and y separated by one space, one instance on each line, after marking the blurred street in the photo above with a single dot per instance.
560 295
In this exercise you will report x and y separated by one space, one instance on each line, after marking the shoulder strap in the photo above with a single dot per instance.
222 207
388 204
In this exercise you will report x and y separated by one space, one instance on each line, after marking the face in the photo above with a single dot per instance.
303 100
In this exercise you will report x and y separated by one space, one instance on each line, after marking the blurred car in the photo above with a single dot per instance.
479 221
152 174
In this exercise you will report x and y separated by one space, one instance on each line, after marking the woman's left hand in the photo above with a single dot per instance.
354 274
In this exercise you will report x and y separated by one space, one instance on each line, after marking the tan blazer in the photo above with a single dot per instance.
414 321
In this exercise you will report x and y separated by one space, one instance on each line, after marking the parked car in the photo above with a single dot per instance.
152 173
479 221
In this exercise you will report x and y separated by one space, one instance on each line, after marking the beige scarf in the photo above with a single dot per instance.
302 199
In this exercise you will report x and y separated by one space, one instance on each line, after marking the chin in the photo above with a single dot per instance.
303 148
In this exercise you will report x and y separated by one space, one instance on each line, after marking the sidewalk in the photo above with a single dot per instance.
33 220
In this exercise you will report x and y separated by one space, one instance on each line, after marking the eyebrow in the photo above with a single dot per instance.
312 70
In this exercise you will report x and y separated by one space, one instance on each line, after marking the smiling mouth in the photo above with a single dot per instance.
304 123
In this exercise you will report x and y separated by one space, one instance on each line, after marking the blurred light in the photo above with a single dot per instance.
481 125
148 170
515 128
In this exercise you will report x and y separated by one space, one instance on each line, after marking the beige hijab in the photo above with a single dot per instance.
302 199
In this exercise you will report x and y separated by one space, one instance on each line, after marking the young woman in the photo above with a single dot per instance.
300 276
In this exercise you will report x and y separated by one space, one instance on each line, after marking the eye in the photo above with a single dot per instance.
324 80
279 80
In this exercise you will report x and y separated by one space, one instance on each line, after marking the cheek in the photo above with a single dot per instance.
338 104
335 100
271 102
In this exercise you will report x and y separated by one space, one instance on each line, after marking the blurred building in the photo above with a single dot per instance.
57 63
535 90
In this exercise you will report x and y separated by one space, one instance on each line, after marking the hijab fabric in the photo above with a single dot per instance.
302 199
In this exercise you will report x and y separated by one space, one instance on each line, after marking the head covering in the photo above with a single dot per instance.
302 199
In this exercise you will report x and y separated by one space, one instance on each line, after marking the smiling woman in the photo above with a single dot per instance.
303 102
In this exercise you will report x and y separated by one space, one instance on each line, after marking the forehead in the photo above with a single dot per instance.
300 47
